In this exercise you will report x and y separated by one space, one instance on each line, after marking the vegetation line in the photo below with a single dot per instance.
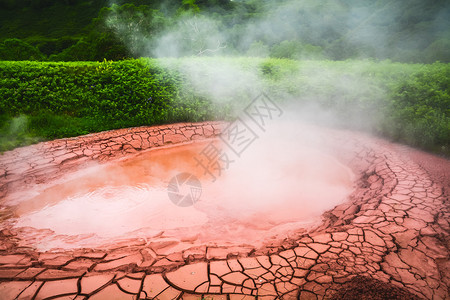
409 103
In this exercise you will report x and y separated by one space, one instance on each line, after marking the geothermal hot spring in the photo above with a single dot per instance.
283 182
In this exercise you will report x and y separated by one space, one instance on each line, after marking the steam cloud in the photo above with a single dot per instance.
254 184
336 29
226 79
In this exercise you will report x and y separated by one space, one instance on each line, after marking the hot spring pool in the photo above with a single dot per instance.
266 193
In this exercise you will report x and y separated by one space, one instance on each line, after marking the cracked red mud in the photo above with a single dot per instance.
388 239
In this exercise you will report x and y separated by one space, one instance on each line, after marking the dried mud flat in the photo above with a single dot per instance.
390 240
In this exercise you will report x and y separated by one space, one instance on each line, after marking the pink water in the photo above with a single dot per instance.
264 194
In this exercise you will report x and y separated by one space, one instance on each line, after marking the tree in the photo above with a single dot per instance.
16 49
189 5
191 35
134 26
438 50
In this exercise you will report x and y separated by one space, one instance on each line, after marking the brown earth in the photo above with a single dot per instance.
390 239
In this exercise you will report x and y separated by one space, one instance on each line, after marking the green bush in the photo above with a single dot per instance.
49 46
16 49
405 102
68 99
420 107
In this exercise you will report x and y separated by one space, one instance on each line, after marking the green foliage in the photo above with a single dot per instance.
296 50
258 49
14 132
15 49
189 5
69 99
134 26
55 19
119 32
409 103
49 46
420 108
190 35
438 49
404 31
96 47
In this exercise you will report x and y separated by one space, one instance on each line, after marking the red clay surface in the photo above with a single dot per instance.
389 239
129 199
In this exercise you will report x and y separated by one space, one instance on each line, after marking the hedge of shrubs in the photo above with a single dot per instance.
409 103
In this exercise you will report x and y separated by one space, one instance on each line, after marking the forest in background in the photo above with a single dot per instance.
414 31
